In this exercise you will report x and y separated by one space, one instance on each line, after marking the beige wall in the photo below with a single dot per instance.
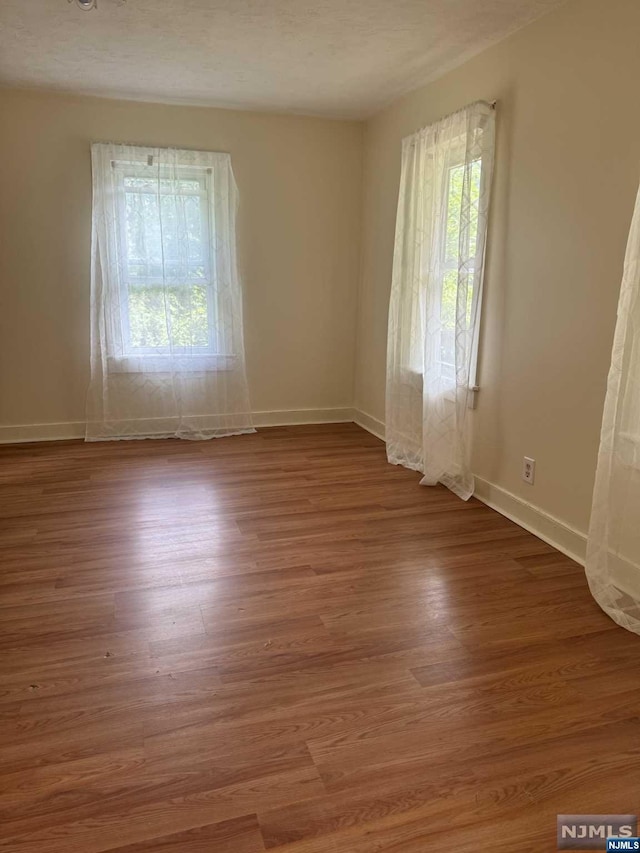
567 169
300 193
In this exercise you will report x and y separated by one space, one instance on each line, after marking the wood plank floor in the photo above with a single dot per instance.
279 641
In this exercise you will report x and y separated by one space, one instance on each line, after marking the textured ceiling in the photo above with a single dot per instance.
331 57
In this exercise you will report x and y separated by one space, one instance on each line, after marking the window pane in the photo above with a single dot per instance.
180 309
448 317
166 236
162 185
196 233
453 247
452 282
460 244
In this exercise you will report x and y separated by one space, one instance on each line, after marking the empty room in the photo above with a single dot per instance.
319 426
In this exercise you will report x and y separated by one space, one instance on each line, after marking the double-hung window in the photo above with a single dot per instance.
436 294
165 230
167 237
457 264
167 348
447 301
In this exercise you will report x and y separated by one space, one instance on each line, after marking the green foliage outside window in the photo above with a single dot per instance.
452 278
182 309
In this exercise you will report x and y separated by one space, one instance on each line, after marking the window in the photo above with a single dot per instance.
165 225
167 341
153 220
436 294
453 303
459 240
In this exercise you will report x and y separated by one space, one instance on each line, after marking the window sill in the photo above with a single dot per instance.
415 379
170 363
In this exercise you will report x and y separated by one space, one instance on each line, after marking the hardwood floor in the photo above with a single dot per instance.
279 641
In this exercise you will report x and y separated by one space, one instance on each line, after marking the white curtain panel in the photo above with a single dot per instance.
613 549
436 295
167 350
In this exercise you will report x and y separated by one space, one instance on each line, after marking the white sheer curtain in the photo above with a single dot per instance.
436 294
167 350
613 550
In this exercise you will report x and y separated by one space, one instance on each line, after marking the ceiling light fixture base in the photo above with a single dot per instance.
86 5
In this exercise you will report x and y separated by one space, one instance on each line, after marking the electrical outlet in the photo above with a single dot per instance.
528 470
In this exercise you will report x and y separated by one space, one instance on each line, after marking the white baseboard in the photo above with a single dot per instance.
41 432
76 429
291 417
368 422
550 529
545 526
